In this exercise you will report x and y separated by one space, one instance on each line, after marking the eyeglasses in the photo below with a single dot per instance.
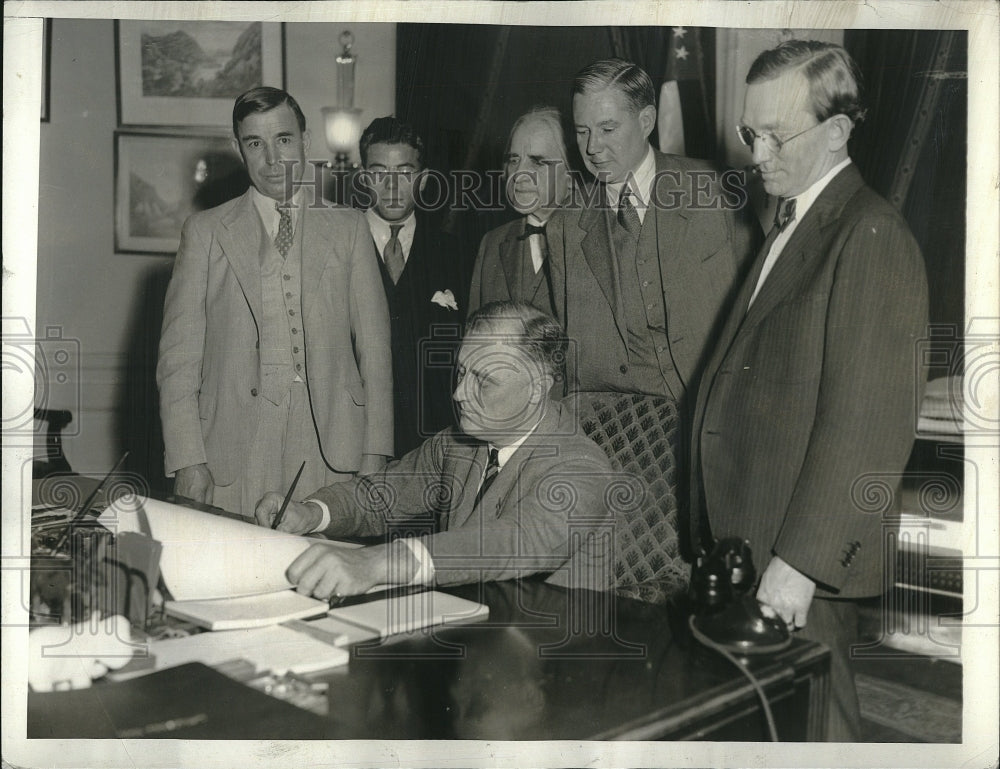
774 144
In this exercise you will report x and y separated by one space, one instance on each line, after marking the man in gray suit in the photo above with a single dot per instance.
648 265
496 487
275 341
810 398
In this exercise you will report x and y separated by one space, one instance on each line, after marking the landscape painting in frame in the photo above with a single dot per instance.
162 179
187 73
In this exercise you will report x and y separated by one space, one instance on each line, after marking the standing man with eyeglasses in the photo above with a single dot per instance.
809 401
275 338
423 277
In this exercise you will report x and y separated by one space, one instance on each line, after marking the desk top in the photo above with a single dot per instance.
549 664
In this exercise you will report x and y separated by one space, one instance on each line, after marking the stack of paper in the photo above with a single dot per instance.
221 573
401 614
941 409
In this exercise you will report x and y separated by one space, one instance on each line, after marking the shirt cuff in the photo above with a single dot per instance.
325 520
425 564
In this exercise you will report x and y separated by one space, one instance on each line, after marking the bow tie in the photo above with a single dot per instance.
532 229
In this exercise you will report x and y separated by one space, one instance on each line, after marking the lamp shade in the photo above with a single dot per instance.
343 129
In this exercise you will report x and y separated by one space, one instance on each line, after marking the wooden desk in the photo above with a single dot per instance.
629 670
557 664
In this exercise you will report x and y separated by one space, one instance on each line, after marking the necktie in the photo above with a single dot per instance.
283 240
532 229
784 215
628 217
492 468
392 255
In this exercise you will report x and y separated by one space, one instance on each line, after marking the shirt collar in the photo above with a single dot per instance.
269 214
640 182
805 199
506 452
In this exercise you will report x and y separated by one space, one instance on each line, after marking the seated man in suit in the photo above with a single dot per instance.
494 485
275 337
423 279
809 400
512 264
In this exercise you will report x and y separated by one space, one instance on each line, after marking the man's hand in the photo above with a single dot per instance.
371 463
195 482
299 518
788 591
326 570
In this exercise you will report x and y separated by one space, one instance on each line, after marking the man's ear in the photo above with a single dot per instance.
306 141
237 148
422 176
838 132
647 119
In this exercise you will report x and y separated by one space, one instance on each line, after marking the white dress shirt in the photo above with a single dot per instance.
269 213
381 233
640 183
535 244
803 202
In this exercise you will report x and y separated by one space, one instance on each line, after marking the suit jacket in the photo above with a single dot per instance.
702 256
209 367
425 335
525 523
503 258
806 413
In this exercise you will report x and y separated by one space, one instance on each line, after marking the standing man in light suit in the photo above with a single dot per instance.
275 341
813 386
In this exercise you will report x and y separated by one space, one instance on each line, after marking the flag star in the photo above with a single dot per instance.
681 52
679 32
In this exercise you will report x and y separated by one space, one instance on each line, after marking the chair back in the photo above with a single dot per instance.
639 435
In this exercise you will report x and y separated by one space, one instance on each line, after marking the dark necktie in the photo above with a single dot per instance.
628 217
784 215
492 469
392 255
283 240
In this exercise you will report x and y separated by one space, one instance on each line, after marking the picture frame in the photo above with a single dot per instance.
46 68
162 178
187 73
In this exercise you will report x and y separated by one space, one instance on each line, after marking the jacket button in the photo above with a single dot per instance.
623 368
253 392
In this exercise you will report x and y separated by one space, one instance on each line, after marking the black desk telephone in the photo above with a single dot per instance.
727 614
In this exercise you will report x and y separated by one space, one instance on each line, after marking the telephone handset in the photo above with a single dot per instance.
727 614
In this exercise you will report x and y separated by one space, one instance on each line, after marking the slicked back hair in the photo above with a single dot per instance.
264 99
835 83
390 130
538 334
627 77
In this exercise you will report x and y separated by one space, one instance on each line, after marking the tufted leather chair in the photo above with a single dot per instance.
638 433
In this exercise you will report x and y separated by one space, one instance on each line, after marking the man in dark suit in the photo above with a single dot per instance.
275 330
512 264
492 484
810 397
648 265
423 277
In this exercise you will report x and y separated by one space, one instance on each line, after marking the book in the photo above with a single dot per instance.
407 613
191 701
221 573
249 611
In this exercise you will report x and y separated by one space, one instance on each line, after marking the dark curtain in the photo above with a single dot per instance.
912 148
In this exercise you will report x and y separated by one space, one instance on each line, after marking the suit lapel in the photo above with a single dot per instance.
316 250
806 244
671 224
600 256
511 250
468 462
239 239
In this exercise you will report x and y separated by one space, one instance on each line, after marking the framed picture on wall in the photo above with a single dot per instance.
187 73
161 179
46 67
